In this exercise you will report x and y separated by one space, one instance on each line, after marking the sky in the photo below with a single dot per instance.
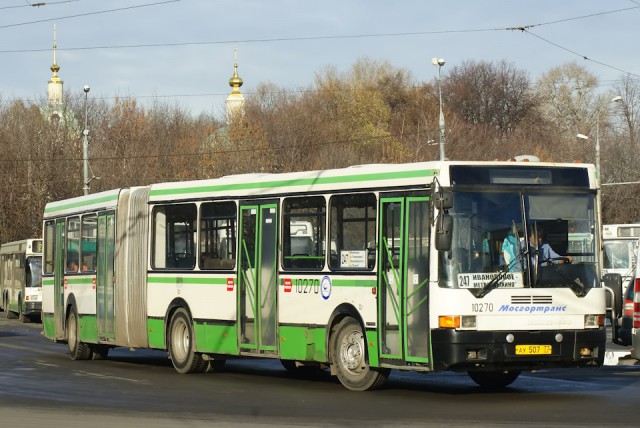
181 52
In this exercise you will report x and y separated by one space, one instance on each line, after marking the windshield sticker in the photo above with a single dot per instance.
480 280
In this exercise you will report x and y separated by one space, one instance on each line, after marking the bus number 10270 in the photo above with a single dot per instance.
307 286
482 307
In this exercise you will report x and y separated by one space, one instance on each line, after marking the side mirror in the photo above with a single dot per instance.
443 200
444 229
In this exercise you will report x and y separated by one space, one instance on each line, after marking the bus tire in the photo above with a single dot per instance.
21 316
494 379
77 350
182 345
8 312
349 358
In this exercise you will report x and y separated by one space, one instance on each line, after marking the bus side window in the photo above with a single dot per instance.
217 235
174 233
88 245
303 233
352 225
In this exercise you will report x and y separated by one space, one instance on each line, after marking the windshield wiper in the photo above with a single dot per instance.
491 285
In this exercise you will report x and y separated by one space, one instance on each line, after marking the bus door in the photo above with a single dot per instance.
257 278
58 281
403 279
104 276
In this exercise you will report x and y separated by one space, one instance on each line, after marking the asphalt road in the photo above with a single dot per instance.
40 386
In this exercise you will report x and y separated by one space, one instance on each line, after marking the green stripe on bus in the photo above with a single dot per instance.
79 281
84 202
187 280
296 182
354 282
47 281
336 282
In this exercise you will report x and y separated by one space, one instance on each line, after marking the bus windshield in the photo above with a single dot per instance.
34 272
524 239
618 254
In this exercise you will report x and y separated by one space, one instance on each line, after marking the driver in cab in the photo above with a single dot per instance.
546 255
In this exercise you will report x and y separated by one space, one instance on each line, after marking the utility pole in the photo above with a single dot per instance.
85 145
440 62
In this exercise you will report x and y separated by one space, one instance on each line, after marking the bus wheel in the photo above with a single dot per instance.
21 316
77 349
182 345
8 312
494 380
348 356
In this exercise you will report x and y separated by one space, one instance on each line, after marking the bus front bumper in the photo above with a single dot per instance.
32 308
473 350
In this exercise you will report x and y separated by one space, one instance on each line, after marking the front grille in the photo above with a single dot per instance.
531 300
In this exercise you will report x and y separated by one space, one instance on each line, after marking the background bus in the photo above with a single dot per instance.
620 242
360 270
620 249
21 280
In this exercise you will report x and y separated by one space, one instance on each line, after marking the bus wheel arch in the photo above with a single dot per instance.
349 355
181 341
342 311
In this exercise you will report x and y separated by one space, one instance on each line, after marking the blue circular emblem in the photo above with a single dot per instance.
325 287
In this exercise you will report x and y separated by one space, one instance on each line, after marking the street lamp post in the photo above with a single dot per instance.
597 166
85 144
440 62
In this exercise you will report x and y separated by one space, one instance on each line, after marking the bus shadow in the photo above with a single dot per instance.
585 380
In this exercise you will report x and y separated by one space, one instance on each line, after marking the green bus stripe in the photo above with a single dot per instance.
84 202
79 281
187 280
342 282
297 182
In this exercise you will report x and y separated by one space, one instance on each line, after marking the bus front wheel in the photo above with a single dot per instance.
494 380
182 345
349 358
77 350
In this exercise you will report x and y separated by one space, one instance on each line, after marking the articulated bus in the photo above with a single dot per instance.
21 280
357 270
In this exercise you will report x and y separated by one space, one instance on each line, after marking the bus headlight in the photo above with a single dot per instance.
593 321
466 322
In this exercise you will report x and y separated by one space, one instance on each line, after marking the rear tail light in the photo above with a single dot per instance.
627 311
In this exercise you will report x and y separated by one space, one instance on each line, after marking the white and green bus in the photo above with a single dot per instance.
21 280
359 270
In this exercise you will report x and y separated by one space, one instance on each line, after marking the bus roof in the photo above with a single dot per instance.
621 231
409 175
95 201
28 246
354 177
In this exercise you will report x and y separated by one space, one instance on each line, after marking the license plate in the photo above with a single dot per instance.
533 349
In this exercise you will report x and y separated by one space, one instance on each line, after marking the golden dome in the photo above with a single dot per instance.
235 82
